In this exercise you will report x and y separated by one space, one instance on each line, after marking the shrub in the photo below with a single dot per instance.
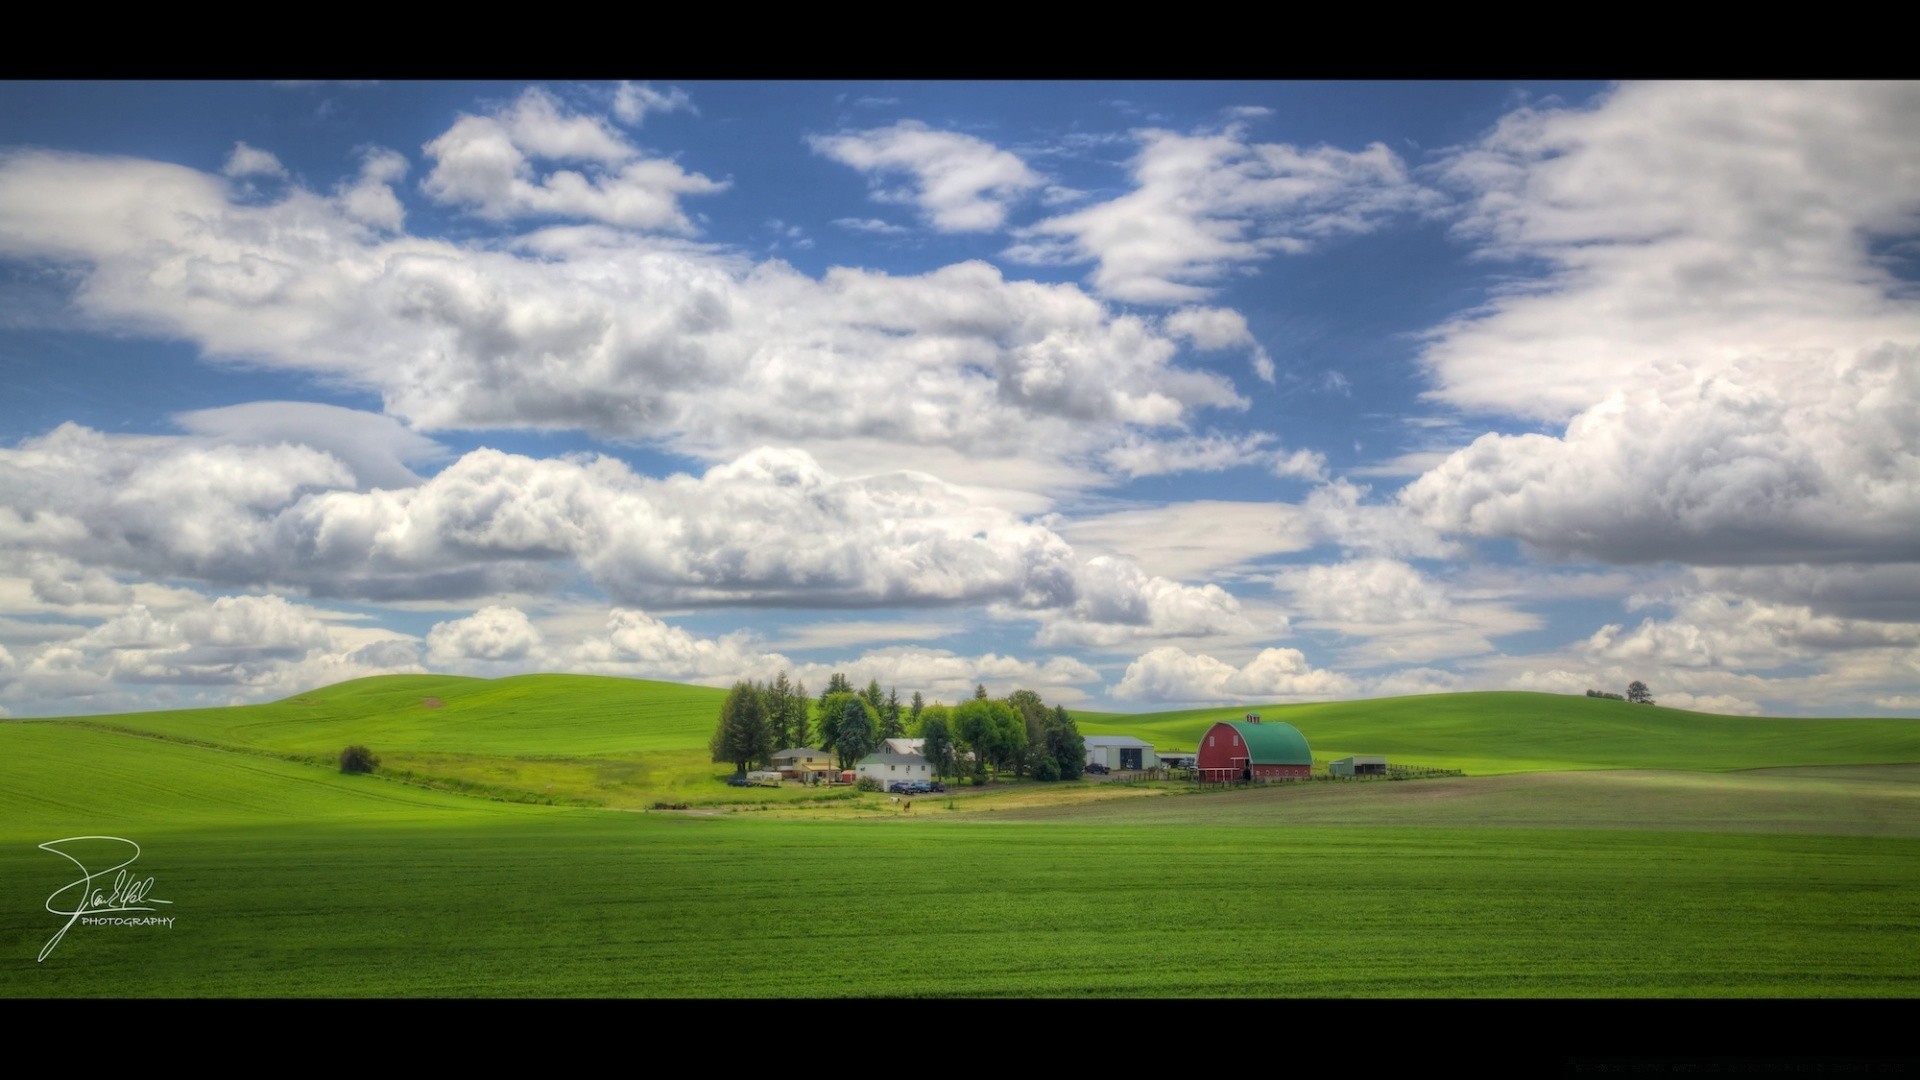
866 783
358 759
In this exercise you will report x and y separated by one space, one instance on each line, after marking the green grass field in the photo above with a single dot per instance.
1784 864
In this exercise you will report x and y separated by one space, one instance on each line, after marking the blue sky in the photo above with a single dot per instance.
1141 395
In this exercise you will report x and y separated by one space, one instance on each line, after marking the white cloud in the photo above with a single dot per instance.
1171 674
370 199
1220 328
960 183
1204 204
1764 461
1736 366
1116 603
872 225
485 163
251 161
208 652
770 527
1394 613
377 448
1342 517
622 336
1708 630
1198 539
490 634
633 101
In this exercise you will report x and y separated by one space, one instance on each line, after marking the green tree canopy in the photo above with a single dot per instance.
743 736
857 734
938 745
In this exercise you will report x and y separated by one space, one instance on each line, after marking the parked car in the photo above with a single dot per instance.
737 780
1098 768
937 786
919 787
901 787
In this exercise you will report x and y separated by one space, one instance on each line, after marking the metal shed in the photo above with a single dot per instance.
1120 752
1359 765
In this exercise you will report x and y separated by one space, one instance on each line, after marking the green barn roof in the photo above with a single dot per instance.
1272 742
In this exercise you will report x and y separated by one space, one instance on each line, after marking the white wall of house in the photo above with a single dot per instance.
887 772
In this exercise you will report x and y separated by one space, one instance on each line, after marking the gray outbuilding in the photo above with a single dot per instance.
1359 765
1120 752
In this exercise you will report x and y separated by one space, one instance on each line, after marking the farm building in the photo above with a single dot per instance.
1174 759
801 762
887 768
1120 752
1235 751
1359 765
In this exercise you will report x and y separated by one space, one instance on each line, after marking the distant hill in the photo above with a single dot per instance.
1511 731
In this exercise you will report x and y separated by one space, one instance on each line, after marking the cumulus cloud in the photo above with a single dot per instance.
1758 462
1394 612
486 164
378 449
1204 204
1711 631
633 101
251 161
1115 602
1220 328
771 527
618 335
1171 674
490 634
208 651
960 183
1736 366
369 199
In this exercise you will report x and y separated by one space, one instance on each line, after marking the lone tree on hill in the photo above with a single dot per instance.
1638 693
358 759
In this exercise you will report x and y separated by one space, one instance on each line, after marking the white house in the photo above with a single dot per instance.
887 768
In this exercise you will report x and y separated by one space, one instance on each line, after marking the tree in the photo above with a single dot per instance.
798 706
872 694
919 706
891 724
836 684
358 759
980 691
855 738
938 747
742 736
833 715
779 715
992 730
1638 693
1066 748
1032 712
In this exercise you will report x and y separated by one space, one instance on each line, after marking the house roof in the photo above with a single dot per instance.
892 759
1115 740
1272 742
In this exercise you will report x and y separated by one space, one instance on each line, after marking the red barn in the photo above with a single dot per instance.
1241 751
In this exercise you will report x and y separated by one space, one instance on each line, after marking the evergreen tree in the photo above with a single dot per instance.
855 738
1065 746
980 692
742 736
872 694
779 716
891 724
919 706
798 706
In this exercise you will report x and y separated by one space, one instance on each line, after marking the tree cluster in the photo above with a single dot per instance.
1637 693
1018 733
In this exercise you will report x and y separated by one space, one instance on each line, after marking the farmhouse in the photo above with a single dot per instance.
887 768
901 746
1237 751
802 763
1120 752
1359 765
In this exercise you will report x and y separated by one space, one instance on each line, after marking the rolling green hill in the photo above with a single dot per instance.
524 714
1507 731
